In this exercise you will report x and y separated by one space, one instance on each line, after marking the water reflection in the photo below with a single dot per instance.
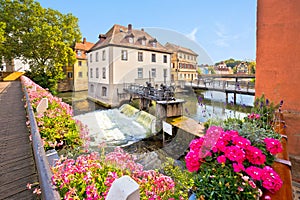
79 102
204 105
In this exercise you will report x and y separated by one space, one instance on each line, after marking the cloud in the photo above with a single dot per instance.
192 35
223 37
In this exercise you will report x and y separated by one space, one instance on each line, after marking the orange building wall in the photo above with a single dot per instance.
278 64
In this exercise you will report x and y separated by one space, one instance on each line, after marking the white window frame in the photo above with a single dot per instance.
124 55
140 72
140 56
104 72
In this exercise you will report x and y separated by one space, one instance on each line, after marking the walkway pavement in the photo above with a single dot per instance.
17 166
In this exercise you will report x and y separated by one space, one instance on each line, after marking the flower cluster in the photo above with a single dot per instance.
253 116
228 147
57 127
91 176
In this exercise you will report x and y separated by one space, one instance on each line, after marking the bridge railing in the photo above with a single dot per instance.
223 84
42 164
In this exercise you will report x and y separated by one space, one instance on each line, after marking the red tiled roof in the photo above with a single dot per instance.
83 47
177 48
118 35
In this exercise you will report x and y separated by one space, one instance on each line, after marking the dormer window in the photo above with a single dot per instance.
142 40
153 42
78 53
130 40
130 37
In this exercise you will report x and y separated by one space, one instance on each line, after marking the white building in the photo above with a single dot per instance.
124 56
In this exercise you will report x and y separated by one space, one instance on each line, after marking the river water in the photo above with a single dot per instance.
210 104
117 127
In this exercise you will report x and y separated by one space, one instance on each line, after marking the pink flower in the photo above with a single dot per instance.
241 142
273 146
255 155
235 153
28 186
254 172
237 167
252 184
37 191
192 161
221 144
240 189
271 180
221 159
268 197
228 135
254 116
196 144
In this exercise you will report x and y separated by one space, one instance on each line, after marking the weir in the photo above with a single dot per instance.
117 127
145 119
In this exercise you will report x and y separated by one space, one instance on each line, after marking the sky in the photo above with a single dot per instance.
215 29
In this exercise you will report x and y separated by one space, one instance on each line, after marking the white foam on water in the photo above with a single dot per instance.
112 127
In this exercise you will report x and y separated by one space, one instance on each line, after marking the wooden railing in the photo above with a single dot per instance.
282 165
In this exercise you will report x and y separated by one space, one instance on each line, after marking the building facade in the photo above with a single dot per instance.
222 69
125 56
77 75
183 63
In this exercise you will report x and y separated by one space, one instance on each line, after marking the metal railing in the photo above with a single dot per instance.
44 173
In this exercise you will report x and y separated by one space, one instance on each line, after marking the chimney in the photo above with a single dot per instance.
129 28
102 37
84 40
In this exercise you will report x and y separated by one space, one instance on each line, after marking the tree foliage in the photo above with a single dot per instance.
41 37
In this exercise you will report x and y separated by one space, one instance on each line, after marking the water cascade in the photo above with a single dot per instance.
147 120
128 110
117 127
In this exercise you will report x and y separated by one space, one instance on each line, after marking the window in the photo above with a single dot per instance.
153 72
140 72
124 55
103 73
130 39
91 73
143 42
97 56
78 53
140 56
103 55
97 72
104 91
91 57
70 75
165 59
165 72
80 74
92 88
79 63
154 44
153 57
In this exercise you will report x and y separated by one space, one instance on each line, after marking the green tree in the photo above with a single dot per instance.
2 31
211 70
42 37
